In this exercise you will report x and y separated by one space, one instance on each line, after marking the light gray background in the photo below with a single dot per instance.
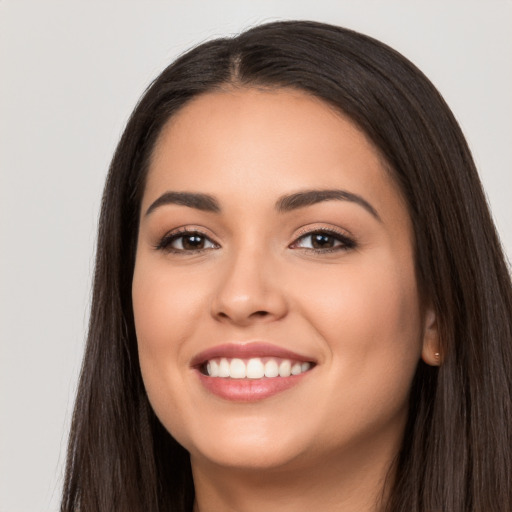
70 74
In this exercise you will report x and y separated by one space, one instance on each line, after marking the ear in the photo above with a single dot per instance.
431 351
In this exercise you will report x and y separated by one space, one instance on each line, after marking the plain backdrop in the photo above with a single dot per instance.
70 74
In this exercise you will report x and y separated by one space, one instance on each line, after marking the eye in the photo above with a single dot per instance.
324 241
186 241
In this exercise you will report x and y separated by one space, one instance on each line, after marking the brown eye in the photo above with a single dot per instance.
191 242
324 241
186 242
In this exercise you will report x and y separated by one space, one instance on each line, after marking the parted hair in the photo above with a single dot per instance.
456 454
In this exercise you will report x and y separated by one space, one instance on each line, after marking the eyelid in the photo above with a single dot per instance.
314 228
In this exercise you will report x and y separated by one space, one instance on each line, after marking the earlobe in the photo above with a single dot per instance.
431 351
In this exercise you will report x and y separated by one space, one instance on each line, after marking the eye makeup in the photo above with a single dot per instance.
188 240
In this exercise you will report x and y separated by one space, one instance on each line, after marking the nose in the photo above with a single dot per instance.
249 291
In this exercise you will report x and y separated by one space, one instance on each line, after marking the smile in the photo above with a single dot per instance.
254 368
250 372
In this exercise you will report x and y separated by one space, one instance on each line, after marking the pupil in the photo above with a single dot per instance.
320 240
193 242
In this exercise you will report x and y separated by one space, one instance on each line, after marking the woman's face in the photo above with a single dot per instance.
272 240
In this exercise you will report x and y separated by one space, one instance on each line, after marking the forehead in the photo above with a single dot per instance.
248 140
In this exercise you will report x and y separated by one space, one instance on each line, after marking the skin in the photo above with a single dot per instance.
328 442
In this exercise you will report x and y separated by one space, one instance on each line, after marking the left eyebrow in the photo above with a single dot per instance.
309 197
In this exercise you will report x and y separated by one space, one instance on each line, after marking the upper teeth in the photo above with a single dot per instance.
255 368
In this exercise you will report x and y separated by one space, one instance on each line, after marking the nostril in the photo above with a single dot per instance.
260 313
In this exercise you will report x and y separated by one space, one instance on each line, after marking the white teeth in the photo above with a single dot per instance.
212 368
254 368
224 368
285 369
271 368
237 369
296 369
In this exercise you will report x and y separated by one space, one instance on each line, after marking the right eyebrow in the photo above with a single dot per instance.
202 202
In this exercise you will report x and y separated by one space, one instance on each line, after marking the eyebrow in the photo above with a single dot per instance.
202 202
309 197
284 204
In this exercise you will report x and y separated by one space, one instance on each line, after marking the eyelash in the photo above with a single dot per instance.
168 239
345 245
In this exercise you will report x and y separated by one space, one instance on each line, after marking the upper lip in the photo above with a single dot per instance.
247 351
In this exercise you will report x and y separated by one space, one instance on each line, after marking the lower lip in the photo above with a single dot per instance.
249 390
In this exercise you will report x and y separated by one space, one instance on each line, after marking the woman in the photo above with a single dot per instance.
300 299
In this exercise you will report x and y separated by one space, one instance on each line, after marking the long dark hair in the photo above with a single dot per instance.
457 449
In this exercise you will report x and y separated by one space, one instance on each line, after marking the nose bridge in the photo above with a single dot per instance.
248 287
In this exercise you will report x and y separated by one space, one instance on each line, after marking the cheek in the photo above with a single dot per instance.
166 304
377 299
166 308
372 325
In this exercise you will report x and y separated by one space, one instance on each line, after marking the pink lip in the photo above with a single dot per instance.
246 351
248 390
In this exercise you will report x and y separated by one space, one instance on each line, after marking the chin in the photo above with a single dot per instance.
250 449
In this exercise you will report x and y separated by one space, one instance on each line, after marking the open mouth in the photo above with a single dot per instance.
254 368
251 372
